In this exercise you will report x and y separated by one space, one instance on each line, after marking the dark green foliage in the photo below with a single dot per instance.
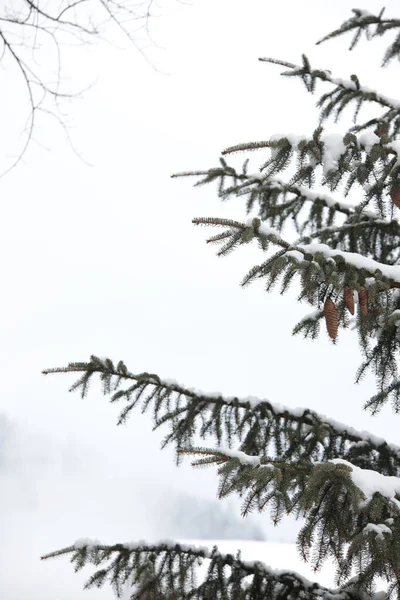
328 499
281 465
257 427
331 231
167 571
373 26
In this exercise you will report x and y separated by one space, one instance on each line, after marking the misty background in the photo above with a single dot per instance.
100 257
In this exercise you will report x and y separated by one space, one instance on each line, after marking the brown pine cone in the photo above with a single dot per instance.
362 299
395 196
348 297
331 318
381 129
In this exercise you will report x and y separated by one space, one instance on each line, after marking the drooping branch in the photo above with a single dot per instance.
170 571
373 26
329 275
312 212
299 255
354 513
258 426
350 90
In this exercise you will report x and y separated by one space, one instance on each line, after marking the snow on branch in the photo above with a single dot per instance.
371 482
346 208
341 505
278 203
244 232
351 86
372 267
259 426
372 25
168 570
331 151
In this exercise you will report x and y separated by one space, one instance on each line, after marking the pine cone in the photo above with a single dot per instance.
331 318
348 297
395 196
382 129
362 299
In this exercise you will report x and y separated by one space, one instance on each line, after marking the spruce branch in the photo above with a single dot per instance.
258 426
327 273
279 202
169 571
368 160
345 91
320 257
373 26
343 507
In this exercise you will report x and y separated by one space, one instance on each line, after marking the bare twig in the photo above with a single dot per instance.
48 27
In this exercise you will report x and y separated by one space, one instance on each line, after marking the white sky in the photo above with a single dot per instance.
104 260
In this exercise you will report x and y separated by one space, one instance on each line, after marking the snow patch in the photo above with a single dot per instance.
379 529
352 258
368 139
334 147
86 543
371 482
244 459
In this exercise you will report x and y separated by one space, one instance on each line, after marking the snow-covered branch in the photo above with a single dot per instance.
258 425
352 85
169 570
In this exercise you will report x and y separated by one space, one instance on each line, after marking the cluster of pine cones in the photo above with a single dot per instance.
331 313
330 310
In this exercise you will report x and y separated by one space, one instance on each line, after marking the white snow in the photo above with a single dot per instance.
312 316
275 557
256 176
350 85
393 102
333 148
370 482
281 409
267 230
333 144
86 542
167 542
314 195
379 529
293 138
360 444
245 459
331 201
352 258
102 359
368 139
363 13
295 254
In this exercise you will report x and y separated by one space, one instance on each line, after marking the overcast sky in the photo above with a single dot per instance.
102 258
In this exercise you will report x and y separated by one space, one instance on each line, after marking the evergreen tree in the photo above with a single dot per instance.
345 484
